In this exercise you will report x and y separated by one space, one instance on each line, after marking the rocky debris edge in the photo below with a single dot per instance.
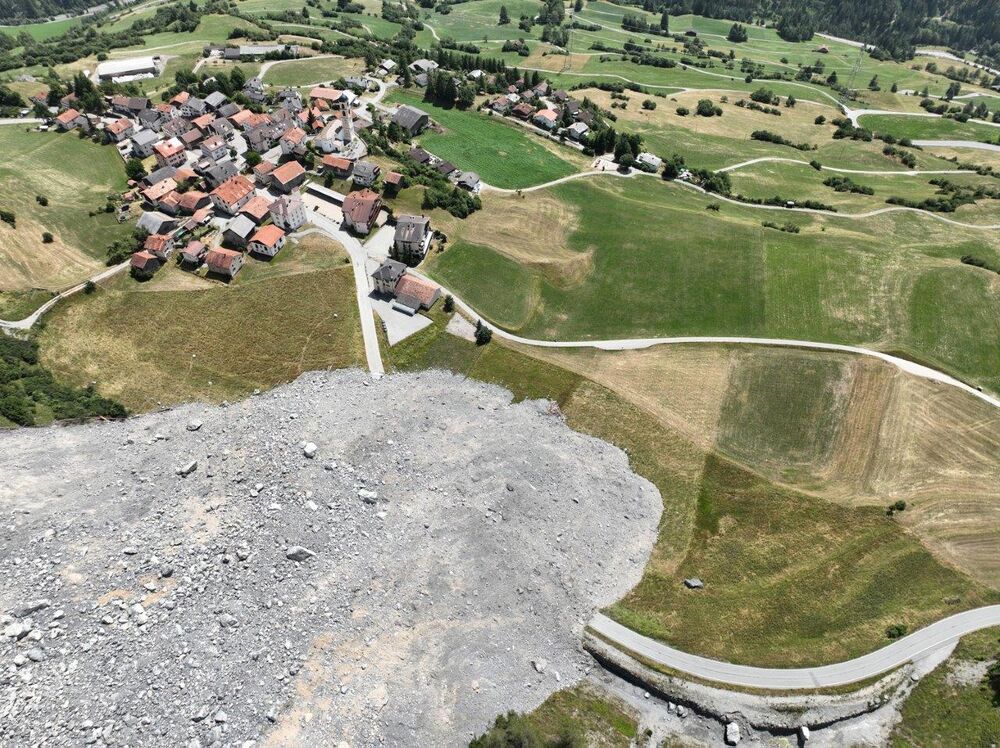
384 562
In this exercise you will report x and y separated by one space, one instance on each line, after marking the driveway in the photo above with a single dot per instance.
397 325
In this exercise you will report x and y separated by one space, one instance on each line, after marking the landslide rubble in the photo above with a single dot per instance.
336 562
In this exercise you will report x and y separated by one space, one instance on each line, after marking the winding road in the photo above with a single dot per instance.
904 650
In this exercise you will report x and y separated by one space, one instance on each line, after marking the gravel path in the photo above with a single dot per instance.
432 564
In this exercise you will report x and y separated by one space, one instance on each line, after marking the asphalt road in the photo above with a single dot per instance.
899 652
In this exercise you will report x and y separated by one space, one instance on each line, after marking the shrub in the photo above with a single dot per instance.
449 304
895 631
7 217
47 238
816 165
483 333
42 200
820 120
683 111
89 287
706 108
649 104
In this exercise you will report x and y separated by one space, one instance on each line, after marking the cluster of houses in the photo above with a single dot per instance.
205 204
552 111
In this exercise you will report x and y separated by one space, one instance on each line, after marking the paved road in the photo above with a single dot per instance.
753 206
904 650
957 144
869 172
29 321
362 286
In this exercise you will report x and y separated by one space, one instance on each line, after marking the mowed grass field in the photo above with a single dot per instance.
655 262
75 176
503 154
792 579
307 71
42 31
930 128
147 347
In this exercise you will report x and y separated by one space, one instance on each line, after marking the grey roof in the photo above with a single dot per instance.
366 169
281 207
389 270
196 105
408 116
445 168
242 226
154 222
411 228
419 155
216 99
228 110
159 175
150 116
220 171
145 137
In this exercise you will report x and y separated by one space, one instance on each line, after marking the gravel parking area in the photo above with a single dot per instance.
386 562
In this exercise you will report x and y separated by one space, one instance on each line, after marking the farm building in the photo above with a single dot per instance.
122 71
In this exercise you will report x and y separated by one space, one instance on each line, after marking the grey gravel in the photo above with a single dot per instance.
429 597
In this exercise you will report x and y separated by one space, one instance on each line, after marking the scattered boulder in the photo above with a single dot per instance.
733 733
298 553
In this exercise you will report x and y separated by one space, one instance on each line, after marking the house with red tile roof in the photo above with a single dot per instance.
232 194
288 176
225 262
158 245
256 209
361 210
191 201
293 141
144 264
158 191
413 294
267 241
69 119
338 166
169 152
119 130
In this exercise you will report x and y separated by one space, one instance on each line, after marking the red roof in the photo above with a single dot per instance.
337 162
233 189
189 201
203 121
67 117
294 135
268 235
156 242
158 190
256 207
181 98
142 258
221 259
264 167
168 148
418 288
327 94
287 172
362 206
394 178
119 126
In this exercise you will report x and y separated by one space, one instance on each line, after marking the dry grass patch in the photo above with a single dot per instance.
530 229
27 262
150 349
795 123
682 386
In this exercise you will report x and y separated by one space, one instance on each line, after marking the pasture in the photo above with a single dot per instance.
75 176
503 154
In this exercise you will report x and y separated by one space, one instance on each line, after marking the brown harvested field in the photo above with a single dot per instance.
26 262
530 229
850 430
150 349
